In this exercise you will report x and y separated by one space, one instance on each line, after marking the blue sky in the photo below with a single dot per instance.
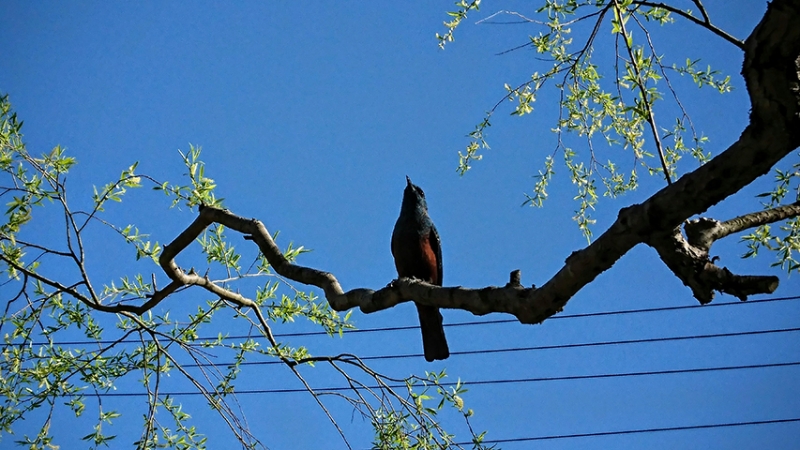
310 116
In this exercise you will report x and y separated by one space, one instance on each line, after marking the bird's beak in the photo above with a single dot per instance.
408 180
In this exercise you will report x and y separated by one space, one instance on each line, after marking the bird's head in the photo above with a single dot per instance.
414 197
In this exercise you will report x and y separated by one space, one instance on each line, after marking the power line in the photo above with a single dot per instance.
456 324
638 431
478 382
560 316
538 347
629 374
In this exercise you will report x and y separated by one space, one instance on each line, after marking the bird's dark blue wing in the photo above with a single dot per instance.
436 245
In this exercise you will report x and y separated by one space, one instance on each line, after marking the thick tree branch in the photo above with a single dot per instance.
689 258
693 266
478 301
702 232
771 72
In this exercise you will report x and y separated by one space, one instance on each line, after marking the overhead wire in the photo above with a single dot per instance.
475 383
637 431
539 347
456 324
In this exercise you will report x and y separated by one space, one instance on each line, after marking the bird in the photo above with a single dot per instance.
417 253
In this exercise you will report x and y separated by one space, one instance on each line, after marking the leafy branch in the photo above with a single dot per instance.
42 367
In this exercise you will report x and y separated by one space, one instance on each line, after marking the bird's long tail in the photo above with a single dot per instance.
434 341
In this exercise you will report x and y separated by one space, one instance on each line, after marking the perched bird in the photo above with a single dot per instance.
417 254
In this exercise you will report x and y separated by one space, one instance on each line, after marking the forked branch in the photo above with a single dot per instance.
697 270
703 232
705 22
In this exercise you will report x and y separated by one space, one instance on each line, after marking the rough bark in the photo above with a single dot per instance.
693 266
703 232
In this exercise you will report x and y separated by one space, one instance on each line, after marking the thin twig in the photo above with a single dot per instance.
705 24
640 84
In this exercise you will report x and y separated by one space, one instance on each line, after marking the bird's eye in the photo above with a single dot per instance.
421 192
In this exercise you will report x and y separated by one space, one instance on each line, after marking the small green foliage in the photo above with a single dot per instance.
524 96
115 190
97 437
183 437
478 142
785 240
56 161
144 248
587 192
310 307
456 17
659 15
679 146
217 248
136 288
414 424
42 441
201 190
614 105
291 253
540 188
707 77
